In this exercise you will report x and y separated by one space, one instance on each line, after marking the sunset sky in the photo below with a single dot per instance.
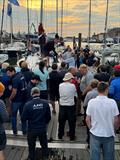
75 19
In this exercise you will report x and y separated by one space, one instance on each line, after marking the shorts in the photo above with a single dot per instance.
2 141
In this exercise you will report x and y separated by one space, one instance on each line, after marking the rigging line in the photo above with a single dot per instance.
106 22
44 19
30 12
31 3
89 30
37 18
119 25
41 12
2 21
67 14
28 19
6 20
30 9
56 16
46 16
37 14
49 16
62 18
17 20
11 27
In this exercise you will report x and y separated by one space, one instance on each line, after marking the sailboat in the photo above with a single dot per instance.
108 52
3 57
14 48
32 60
51 35
108 48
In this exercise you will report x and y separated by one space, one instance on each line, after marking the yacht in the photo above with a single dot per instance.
14 49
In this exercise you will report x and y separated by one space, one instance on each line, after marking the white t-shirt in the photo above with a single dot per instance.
102 111
67 93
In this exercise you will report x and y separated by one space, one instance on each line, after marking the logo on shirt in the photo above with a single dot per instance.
37 106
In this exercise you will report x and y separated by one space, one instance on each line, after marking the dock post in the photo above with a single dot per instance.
74 42
79 40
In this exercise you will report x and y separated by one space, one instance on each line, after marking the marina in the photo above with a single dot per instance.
46 46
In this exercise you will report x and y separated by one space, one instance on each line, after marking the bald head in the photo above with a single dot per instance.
72 70
35 91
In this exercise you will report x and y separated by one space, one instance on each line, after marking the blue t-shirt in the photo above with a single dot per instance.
43 77
114 88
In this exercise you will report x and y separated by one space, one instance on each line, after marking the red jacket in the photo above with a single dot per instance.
40 29
74 81
116 67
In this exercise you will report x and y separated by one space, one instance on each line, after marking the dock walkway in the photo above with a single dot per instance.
17 148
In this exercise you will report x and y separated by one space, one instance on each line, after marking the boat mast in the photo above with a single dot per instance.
11 29
41 12
105 30
3 9
56 16
28 20
61 18
89 30
106 23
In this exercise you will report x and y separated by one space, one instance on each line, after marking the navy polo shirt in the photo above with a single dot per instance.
19 83
37 112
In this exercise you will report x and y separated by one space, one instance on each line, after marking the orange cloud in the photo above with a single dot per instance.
75 14
36 4
70 19
1 7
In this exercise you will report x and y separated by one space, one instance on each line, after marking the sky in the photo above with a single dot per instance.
75 19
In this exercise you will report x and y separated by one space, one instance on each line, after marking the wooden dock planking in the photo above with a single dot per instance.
12 153
25 154
7 150
21 153
117 155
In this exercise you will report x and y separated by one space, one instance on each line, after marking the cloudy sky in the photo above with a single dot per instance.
76 13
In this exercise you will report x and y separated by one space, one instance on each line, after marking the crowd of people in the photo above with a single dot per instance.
85 84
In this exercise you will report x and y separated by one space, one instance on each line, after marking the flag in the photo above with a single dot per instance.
15 2
9 9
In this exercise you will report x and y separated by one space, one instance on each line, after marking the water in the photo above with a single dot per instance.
96 47
93 46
